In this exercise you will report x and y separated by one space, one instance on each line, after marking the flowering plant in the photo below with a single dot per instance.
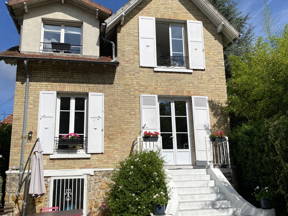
262 193
217 135
148 134
71 136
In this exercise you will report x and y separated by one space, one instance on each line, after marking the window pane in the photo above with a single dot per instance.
65 103
177 31
50 37
79 123
64 122
165 108
178 60
180 108
52 28
166 124
181 124
167 141
177 46
80 104
70 29
73 39
163 44
182 141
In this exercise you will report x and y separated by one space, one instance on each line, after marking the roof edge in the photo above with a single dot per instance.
206 7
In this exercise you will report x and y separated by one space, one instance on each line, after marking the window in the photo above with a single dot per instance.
71 131
68 193
170 44
62 38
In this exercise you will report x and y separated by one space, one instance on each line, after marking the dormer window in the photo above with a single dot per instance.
61 39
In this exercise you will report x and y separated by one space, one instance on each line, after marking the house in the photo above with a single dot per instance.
90 83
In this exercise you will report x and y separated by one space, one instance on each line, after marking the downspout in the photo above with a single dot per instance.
24 128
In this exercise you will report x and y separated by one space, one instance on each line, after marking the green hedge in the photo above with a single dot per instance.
139 185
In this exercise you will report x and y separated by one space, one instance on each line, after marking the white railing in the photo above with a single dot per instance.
148 144
221 153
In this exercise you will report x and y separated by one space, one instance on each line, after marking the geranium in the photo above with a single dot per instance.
71 136
217 135
148 134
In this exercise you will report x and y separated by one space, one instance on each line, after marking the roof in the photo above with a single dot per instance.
7 120
222 24
87 3
14 54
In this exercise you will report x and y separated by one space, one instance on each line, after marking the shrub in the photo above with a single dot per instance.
139 185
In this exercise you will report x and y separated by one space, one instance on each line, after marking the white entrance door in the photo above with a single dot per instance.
175 131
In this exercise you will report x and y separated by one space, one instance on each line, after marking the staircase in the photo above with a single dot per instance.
197 194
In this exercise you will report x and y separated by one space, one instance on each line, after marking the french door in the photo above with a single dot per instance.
175 131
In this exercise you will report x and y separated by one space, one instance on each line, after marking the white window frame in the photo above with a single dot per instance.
62 38
183 69
72 116
173 123
85 194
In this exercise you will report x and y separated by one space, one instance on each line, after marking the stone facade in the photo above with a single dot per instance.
122 87
97 188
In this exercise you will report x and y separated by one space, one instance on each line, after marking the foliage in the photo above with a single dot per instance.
228 8
262 193
139 185
5 137
258 98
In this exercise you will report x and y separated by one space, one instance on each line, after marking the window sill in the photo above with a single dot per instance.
171 69
70 156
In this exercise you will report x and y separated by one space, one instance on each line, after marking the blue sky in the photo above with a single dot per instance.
9 37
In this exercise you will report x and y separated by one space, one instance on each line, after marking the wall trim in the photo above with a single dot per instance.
67 172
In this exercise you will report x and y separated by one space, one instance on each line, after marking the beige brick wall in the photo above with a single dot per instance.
123 86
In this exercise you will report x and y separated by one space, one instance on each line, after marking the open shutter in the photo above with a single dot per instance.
201 121
46 121
150 113
147 42
196 45
95 123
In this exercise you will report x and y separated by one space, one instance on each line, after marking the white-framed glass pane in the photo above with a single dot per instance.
50 37
181 124
177 32
180 108
177 46
52 28
167 141
73 30
182 141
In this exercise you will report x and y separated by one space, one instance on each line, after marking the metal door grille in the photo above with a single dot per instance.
68 194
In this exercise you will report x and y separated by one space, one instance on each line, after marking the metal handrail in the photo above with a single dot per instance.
221 153
66 47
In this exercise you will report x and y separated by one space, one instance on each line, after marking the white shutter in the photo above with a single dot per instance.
201 121
150 113
147 42
95 123
196 45
47 120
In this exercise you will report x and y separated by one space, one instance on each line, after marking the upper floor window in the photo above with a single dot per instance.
65 39
170 44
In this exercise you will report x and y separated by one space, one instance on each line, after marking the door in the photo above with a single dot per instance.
175 131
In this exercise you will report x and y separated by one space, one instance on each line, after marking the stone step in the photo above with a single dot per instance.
207 212
200 197
190 177
197 190
187 171
192 205
194 183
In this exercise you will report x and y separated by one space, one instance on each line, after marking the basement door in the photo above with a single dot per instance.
175 131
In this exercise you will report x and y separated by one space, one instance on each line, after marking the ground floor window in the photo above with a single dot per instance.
71 122
68 193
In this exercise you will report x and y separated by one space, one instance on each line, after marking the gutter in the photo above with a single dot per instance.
104 25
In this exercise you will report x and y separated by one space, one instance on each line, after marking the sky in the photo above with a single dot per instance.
9 37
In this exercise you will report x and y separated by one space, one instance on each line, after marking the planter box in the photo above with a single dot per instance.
150 139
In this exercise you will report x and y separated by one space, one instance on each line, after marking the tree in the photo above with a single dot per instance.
5 137
258 98
228 8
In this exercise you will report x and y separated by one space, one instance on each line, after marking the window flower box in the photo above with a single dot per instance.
150 136
70 141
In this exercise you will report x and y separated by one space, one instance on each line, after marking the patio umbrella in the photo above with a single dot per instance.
37 185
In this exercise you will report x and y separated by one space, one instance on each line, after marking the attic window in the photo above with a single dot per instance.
60 38
170 44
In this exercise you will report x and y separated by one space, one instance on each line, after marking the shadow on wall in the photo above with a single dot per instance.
222 120
68 72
